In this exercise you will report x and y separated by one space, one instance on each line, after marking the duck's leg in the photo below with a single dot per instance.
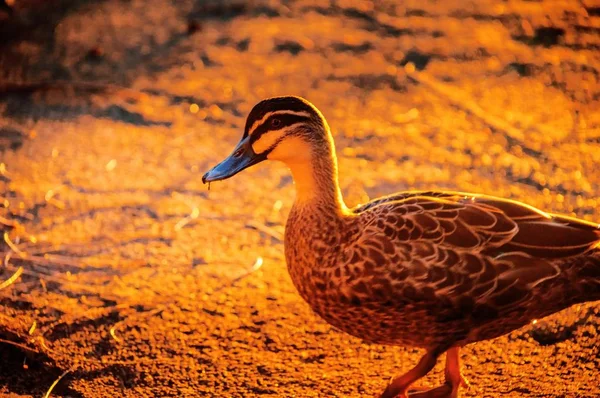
453 375
454 379
399 385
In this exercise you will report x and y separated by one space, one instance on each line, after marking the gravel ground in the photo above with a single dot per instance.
134 280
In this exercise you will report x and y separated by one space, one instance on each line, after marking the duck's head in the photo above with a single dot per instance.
289 129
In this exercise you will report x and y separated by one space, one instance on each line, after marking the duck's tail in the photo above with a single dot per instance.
584 275
582 269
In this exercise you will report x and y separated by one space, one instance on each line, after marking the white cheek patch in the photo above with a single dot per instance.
267 140
291 149
270 138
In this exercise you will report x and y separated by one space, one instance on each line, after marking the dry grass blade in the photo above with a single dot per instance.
113 335
56 382
12 279
265 229
45 260
50 199
195 212
32 328
13 247
91 313
48 259
113 329
7 222
7 257
257 264
184 221
91 289
21 346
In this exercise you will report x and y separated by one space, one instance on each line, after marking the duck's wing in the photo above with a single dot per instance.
468 254
480 224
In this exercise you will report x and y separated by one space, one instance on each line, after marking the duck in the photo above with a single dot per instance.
436 270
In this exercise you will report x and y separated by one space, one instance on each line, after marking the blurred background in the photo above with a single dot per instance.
122 275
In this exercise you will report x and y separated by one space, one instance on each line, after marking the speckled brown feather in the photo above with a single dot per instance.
432 268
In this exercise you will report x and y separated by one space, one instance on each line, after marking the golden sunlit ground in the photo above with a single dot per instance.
129 278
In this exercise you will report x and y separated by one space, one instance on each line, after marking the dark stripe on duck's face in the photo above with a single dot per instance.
278 104
277 122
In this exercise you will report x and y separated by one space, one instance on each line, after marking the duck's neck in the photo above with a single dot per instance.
316 180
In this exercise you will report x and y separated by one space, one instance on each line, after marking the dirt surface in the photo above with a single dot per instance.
132 279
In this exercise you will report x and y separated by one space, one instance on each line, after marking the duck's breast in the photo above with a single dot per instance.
339 287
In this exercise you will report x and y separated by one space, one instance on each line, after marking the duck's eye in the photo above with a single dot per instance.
275 122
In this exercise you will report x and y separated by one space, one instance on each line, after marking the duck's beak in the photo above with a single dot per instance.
242 157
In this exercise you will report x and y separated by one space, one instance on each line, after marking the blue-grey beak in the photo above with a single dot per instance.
242 157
